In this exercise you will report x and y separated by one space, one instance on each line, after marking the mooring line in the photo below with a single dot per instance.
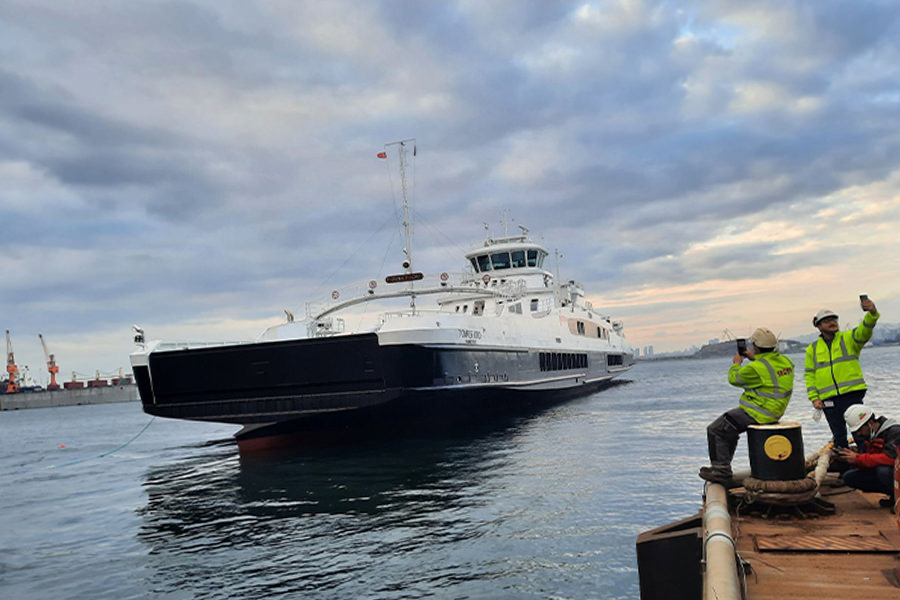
81 460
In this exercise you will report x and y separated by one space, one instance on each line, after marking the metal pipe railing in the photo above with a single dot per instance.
719 550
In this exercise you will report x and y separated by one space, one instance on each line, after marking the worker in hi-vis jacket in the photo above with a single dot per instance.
872 468
767 380
834 379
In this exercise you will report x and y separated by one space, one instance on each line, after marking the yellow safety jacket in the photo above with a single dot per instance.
768 381
833 369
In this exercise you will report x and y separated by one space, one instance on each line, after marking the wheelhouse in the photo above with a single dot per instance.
507 253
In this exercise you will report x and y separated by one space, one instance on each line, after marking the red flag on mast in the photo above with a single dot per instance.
382 155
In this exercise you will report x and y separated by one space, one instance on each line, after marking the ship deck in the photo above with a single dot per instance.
853 553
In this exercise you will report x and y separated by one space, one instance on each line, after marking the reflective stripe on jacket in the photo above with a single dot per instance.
833 369
768 381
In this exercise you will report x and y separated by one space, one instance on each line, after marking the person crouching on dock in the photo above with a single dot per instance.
872 468
767 380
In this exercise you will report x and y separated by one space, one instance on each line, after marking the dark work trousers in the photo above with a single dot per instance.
834 414
722 435
880 479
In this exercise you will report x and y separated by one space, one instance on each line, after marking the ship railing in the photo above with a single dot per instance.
379 288
318 312
170 345
399 314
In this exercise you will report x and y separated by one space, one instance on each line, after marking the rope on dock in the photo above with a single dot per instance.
783 492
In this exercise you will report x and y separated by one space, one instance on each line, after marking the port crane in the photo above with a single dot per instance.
51 365
11 368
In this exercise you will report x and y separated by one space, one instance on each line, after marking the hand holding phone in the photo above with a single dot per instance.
741 346
866 304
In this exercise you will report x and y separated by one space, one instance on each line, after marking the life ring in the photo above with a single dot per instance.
335 295
486 278
445 276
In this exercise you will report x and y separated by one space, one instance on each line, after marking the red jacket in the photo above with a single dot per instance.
882 449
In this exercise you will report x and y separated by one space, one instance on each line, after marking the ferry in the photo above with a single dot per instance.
502 332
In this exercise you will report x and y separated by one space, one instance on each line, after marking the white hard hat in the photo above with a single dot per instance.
823 314
763 338
856 416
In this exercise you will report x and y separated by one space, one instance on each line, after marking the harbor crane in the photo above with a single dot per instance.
11 368
51 365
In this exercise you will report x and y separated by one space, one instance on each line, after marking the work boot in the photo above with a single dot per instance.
715 474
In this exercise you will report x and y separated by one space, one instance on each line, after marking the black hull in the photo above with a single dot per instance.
419 411
318 382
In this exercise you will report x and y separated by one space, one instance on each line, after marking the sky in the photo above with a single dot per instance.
196 167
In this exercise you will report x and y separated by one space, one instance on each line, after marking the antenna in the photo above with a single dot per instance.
407 225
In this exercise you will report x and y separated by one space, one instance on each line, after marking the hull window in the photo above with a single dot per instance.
614 360
562 361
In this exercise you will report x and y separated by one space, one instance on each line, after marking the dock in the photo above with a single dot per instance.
70 397
854 552
842 544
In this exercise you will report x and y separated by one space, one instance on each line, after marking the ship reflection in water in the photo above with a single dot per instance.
372 518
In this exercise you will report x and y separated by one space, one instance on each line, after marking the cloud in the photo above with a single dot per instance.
201 164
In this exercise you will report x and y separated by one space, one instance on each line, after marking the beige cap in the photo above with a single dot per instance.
764 338
823 314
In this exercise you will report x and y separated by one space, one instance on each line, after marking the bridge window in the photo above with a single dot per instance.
518 259
474 264
532 258
484 263
500 260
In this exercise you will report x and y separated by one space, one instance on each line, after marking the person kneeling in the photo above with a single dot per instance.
872 469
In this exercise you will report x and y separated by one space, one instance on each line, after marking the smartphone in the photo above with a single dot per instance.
863 297
741 346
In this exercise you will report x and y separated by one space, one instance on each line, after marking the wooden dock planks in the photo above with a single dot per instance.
853 553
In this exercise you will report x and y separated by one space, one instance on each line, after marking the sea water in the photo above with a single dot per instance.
105 502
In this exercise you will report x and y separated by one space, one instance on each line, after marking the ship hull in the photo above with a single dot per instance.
308 382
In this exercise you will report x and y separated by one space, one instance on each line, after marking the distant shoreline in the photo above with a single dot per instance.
697 355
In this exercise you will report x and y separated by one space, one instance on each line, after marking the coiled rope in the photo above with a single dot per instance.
787 492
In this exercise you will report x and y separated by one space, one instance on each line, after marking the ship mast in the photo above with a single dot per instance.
407 225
